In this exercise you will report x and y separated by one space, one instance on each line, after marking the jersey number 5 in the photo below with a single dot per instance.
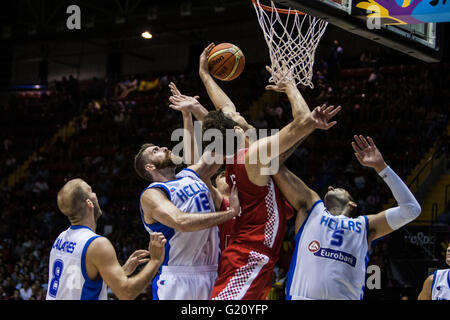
337 238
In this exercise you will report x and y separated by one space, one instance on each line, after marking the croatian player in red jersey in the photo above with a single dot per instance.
246 265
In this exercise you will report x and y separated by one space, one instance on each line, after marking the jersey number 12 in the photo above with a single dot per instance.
202 203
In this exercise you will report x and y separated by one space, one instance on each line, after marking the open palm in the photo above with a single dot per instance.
182 102
322 116
367 152
138 257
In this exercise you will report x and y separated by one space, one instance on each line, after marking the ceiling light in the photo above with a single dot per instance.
146 35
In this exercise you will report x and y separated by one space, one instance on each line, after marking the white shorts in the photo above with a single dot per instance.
184 283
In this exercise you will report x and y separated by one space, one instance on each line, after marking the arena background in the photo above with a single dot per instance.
61 119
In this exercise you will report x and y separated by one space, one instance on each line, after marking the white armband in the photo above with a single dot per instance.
408 208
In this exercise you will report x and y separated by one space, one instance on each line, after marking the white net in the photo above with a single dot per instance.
292 38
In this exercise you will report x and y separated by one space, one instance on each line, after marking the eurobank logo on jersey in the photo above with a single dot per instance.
314 248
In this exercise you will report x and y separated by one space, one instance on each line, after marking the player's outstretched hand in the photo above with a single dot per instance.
322 116
283 85
157 247
183 103
204 68
138 257
235 205
367 153
174 90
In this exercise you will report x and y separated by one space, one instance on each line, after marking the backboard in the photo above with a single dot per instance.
420 40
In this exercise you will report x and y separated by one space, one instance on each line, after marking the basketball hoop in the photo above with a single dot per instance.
292 37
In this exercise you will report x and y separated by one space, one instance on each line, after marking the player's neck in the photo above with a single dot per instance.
163 175
87 222
337 211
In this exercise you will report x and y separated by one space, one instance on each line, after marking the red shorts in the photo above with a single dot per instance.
244 274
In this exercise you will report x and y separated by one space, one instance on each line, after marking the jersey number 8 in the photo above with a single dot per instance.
57 270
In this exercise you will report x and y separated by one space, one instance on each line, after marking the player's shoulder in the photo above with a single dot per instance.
100 245
428 283
316 206
314 210
189 172
154 193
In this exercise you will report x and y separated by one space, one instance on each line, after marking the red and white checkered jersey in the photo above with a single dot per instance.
262 223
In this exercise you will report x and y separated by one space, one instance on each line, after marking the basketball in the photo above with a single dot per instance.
171 103
226 61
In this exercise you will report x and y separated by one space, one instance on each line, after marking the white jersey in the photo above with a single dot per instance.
330 257
68 279
440 289
198 249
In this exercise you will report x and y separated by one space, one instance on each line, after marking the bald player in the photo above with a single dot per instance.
83 263
331 247
437 285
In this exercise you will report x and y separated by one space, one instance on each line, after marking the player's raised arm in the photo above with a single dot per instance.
184 104
296 192
408 208
277 144
189 142
204 169
181 102
218 97
101 258
299 106
156 206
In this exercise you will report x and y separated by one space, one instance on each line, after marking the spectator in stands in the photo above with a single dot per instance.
3 295
10 160
26 291
125 87
8 286
360 182
6 144
373 199
40 186
375 77
37 292
334 61
365 58
404 296
16 295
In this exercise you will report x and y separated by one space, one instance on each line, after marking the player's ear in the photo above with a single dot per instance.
237 129
89 203
352 205
350 208
150 167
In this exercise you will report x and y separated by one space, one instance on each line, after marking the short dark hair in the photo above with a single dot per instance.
218 120
215 175
140 161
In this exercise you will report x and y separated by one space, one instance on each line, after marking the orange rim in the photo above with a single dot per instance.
285 11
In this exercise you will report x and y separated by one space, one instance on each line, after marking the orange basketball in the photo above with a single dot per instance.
226 61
